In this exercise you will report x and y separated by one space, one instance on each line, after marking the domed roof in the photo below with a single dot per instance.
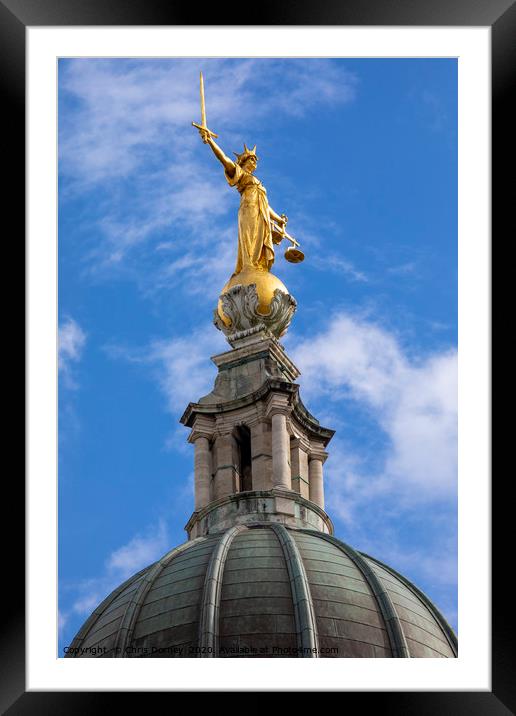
265 590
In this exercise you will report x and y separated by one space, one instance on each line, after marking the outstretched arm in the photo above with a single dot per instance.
226 162
279 219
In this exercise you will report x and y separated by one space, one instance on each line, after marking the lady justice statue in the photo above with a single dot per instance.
261 297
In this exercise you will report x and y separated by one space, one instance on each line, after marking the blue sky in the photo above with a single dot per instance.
362 157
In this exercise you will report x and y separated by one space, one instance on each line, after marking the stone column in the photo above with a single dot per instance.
315 468
299 449
202 472
261 454
225 480
316 482
202 432
280 452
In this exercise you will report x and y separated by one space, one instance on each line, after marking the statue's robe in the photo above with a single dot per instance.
255 249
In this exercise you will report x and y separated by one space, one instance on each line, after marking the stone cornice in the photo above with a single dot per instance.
194 409
298 411
309 423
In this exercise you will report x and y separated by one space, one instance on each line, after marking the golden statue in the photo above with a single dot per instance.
255 241
259 226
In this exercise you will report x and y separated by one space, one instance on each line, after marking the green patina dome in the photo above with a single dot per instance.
265 590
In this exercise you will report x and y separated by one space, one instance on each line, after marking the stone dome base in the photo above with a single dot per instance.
264 591
256 507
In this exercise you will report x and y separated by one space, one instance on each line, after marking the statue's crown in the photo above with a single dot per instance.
245 154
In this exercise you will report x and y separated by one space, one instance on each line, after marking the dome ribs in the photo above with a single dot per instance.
397 639
262 590
304 613
98 612
126 628
448 632
210 602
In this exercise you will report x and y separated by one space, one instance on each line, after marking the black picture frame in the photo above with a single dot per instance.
500 15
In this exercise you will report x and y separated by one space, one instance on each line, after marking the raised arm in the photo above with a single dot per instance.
226 162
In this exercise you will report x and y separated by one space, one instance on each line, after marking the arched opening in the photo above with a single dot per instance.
243 438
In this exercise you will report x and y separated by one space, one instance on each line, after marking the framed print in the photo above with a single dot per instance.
136 262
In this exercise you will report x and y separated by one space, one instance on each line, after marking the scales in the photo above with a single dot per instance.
292 254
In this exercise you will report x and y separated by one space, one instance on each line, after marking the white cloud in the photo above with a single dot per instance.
414 402
122 107
179 202
71 341
180 365
184 370
140 551
62 619
197 268
408 268
125 128
338 264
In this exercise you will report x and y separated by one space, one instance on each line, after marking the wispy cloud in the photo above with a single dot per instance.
122 107
413 401
195 269
139 551
62 619
143 549
180 365
71 341
435 113
401 477
408 268
127 133
338 264
353 361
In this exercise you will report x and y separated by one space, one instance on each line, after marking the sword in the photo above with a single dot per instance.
203 124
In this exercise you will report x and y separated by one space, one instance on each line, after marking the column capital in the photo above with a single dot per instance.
277 403
203 427
300 442
318 454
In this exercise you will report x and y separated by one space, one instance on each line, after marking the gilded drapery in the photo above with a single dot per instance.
255 248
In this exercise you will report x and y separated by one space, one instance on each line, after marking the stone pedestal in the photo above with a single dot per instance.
253 434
